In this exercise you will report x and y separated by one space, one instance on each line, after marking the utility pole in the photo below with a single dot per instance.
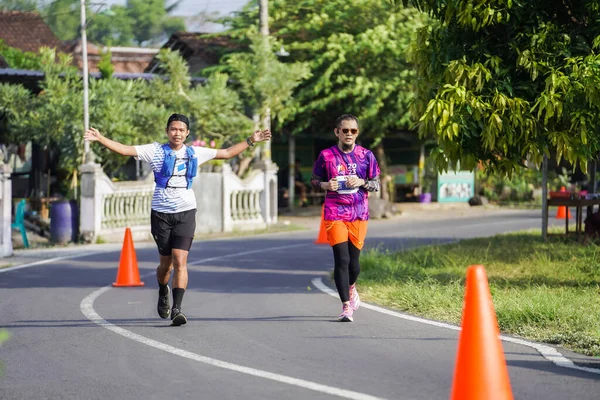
84 57
264 31
264 17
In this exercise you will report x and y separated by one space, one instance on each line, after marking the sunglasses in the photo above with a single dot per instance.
353 131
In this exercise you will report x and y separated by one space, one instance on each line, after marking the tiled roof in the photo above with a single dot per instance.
26 31
124 59
198 51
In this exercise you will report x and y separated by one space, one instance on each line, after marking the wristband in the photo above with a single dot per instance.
250 142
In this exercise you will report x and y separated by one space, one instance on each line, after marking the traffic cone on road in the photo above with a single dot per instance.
128 273
322 238
563 211
480 372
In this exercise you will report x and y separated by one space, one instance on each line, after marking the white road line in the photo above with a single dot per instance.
51 260
548 352
87 308
245 253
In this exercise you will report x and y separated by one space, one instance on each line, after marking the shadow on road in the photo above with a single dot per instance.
545 366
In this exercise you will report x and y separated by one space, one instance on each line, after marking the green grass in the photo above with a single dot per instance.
4 336
543 291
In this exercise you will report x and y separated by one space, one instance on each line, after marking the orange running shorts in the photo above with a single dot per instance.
342 231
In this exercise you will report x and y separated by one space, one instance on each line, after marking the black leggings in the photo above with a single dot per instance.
346 268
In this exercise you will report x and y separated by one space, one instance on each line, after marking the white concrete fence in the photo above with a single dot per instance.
226 203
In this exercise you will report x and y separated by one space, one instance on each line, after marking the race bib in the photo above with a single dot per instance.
342 188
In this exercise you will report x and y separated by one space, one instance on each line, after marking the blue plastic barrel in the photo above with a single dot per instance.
63 221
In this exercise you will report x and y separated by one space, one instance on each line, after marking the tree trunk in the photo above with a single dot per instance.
384 178
244 164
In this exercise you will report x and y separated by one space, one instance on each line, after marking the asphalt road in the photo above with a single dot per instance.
258 327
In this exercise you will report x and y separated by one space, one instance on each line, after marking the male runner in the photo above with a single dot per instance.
173 209
347 172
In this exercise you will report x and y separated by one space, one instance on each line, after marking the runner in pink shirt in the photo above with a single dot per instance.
347 172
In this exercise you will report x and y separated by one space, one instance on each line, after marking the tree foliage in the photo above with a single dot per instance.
18 59
214 109
265 82
150 20
130 112
505 81
357 54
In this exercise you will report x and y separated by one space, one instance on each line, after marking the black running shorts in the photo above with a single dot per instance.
173 231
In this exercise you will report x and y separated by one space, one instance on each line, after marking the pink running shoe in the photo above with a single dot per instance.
346 315
354 298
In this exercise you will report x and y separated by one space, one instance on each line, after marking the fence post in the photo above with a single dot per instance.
90 212
6 248
268 199
227 174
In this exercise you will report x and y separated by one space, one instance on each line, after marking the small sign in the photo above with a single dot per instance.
456 186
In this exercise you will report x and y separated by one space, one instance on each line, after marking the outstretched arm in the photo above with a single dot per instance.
257 136
93 135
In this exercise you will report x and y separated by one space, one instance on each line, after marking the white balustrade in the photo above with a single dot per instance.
225 203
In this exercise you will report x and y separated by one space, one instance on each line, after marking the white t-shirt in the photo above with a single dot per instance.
173 199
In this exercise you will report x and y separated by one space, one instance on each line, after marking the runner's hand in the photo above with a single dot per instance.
333 184
261 136
354 181
92 135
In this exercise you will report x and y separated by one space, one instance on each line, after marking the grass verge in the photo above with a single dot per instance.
542 291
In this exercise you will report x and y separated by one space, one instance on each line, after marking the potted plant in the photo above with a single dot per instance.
428 179
561 182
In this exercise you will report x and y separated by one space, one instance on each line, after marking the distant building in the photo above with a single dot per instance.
199 52
124 59
25 31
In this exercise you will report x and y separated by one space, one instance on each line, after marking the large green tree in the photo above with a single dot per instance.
265 81
357 52
504 81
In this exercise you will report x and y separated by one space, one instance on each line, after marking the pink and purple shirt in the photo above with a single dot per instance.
346 204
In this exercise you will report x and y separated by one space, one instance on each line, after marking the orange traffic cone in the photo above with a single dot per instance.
481 372
128 274
563 212
322 238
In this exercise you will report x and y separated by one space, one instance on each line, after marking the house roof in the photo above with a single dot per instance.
26 31
199 51
124 59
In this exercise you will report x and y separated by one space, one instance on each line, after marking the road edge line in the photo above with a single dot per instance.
549 353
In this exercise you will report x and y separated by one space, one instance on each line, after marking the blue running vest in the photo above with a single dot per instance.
168 168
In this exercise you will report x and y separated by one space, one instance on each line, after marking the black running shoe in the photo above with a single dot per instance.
177 317
164 309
